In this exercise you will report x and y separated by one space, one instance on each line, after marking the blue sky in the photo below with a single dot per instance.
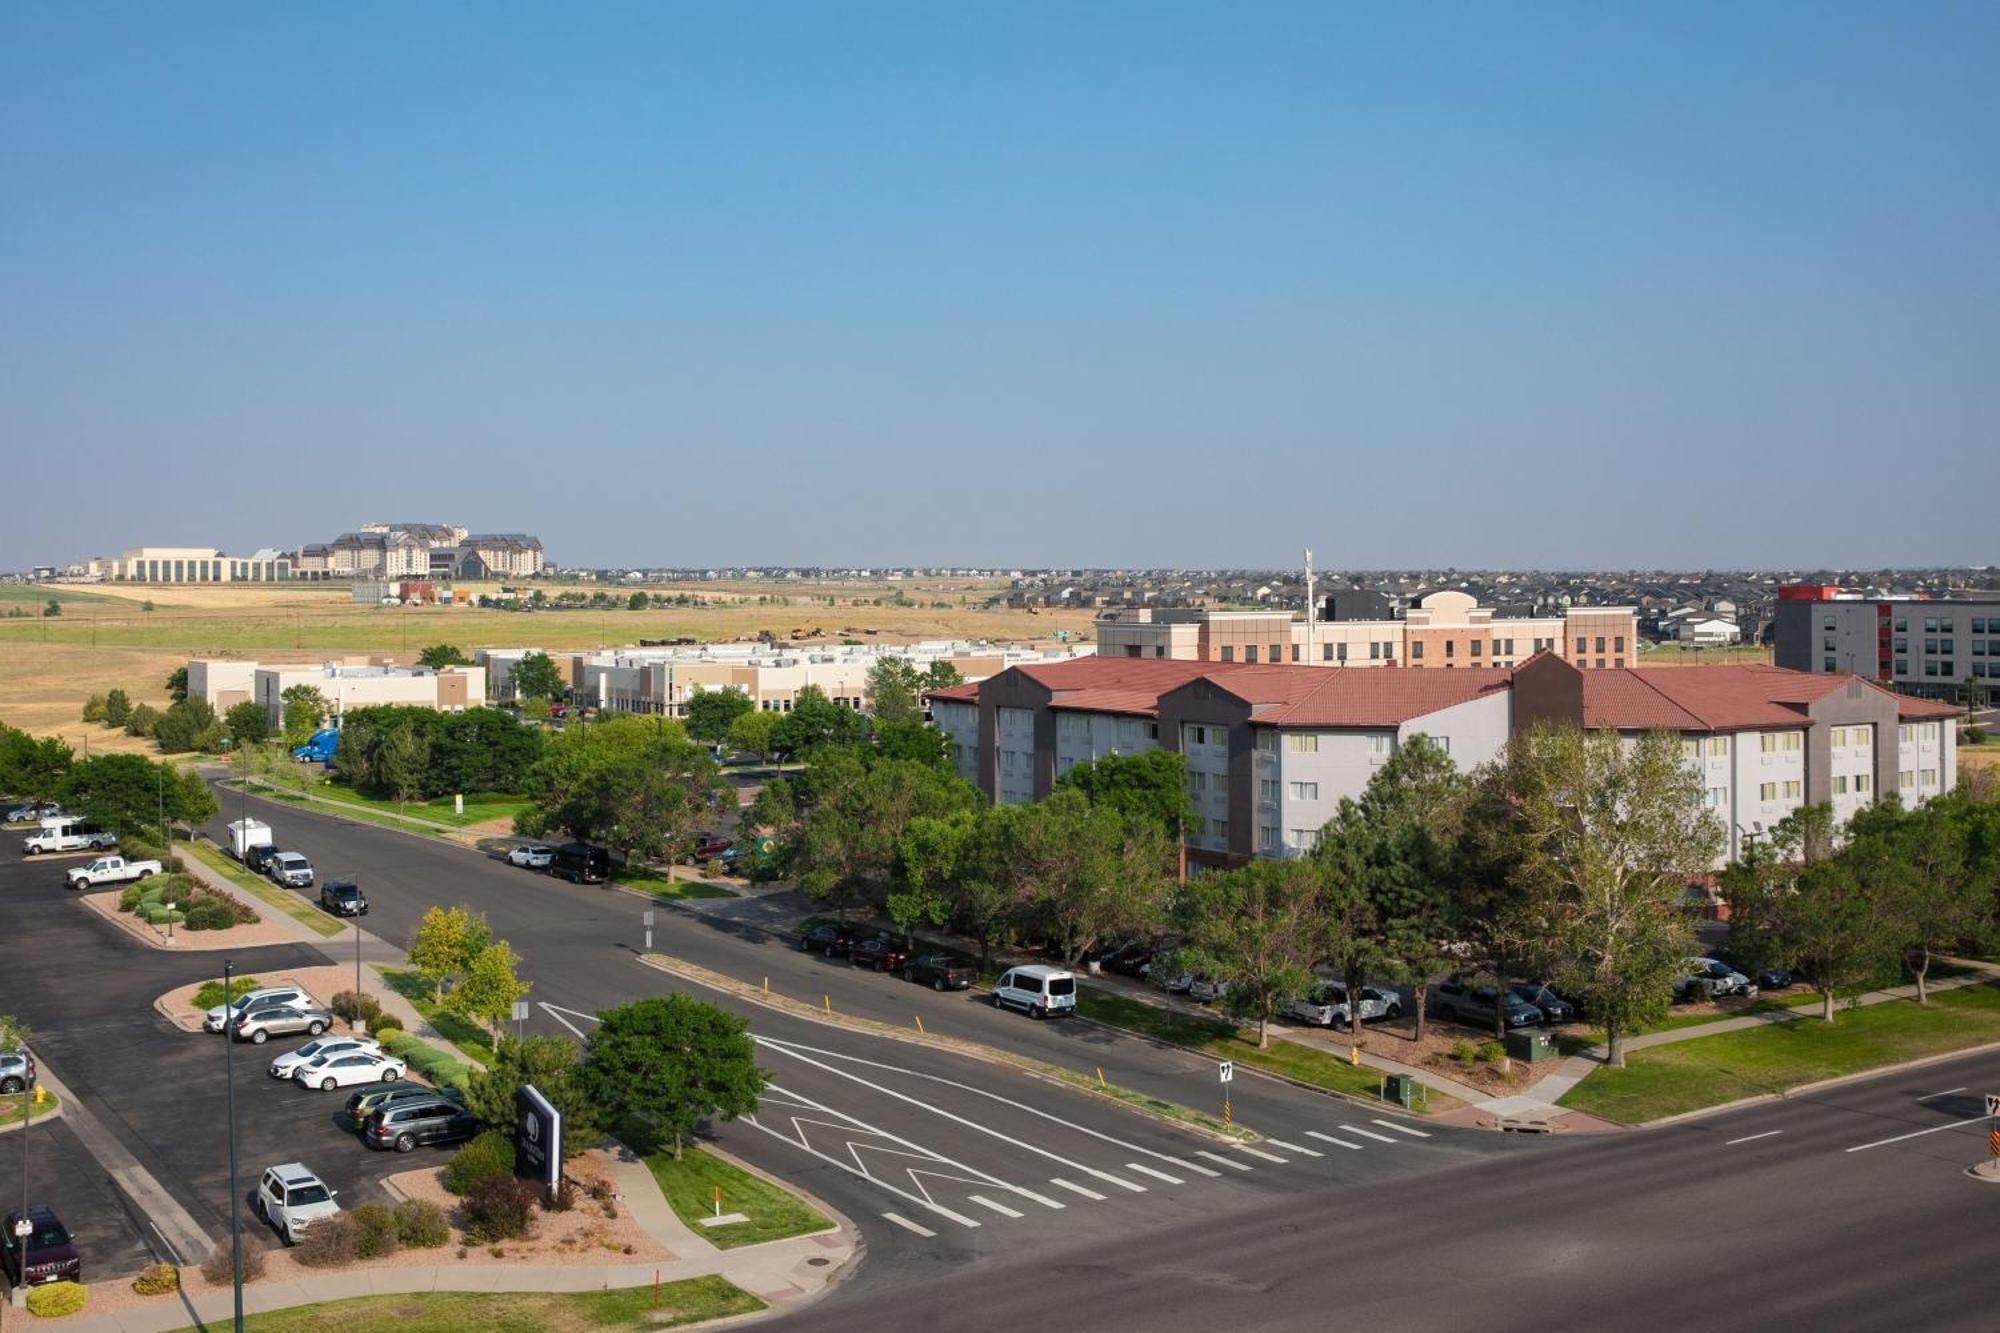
1559 285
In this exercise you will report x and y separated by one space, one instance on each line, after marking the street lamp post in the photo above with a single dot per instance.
23 1227
235 1199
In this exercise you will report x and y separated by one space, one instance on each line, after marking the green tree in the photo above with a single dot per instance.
636 602
932 854
1152 785
400 763
53 608
190 724
141 720
177 685
895 692
856 808
1613 832
1083 874
489 987
1942 898
636 785
93 708
752 733
33 768
1258 929
671 1061
941 675
709 713
246 723
128 793
305 710
554 1066
816 722
536 677
440 655
445 943
117 708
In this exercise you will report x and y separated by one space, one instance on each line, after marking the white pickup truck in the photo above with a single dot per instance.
110 870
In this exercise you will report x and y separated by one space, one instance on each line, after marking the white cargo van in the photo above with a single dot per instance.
1038 991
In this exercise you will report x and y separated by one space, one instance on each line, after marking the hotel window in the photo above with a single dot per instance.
1840 784
1827 622
1305 839
1718 797
1861 782
1305 791
1618 644
1839 738
1192 735
1690 749
1388 651
1978 625
1905 734
1860 737
1474 648
1902 666
1791 789
1340 652
1902 624
1979 647
1600 664
1267 790
1220 828
1382 743
1902 645
1767 791
1302 744
1944 645
1794 741
1928 777
1267 741
1583 645
1450 647
1948 669
1829 643
1828 664
1228 653
1600 643
1295 652
1267 837
1768 743
1718 747
1416 650
1249 652
1906 779
1277 653
1374 650
1197 781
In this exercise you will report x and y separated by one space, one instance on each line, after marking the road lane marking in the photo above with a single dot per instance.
1157 1175
1369 1134
999 1208
1226 1161
1248 1151
557 1014
1328 1138
907 1224
1195 1167
1751 1138
1915 1134
1119 1181
1400 1129
1946 1093
1293 1147
1076 1189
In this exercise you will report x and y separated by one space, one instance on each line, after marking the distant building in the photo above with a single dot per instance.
1707 631
346 685
190 564
1921 646
444 551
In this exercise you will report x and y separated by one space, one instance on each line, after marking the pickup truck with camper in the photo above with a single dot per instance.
106 870
66 833
320 749
245 834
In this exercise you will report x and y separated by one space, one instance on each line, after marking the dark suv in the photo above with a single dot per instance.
421 1120
829 939
343 897
52 1255
940 971
881 953
1473 1006
364 1103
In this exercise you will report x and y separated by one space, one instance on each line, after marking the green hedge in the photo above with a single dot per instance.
210 994
427 1060
156 914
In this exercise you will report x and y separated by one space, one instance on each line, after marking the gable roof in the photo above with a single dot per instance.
1382 696
1721 698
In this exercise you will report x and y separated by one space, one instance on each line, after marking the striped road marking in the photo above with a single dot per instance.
1075 1189
999 1208
908 1225
1293 1147
1041 1199
1752 1138
1328 1138
1157 1175
1195 1167
1369 1134
1258 1152
1119 1181
1226 1161
1400 1129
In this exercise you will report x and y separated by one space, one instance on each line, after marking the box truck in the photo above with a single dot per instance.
245 834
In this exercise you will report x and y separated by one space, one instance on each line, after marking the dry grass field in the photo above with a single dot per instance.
106 637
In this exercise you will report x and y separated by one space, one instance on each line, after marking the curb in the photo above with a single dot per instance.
1803 1089
973 1050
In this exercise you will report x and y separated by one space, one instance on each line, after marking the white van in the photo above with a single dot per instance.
67 833
1038 991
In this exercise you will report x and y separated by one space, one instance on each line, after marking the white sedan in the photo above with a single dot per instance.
532 856
344 1071
288 1064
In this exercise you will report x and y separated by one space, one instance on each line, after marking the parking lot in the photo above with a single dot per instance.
86 989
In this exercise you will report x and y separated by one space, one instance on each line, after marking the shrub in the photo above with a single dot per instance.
157 1280
141 848
210 916
210 995
158 915
566 1196
502 1208
421 1225
352 1005
128 897
1489 1052
216 1267
490 1156
1461 1051
328 1243
427 1060
374 1231
55 1299
385 1022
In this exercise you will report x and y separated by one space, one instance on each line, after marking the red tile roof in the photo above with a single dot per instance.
1383 696
1720 698
964 693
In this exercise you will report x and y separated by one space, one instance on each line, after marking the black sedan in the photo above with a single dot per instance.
941 971
827 938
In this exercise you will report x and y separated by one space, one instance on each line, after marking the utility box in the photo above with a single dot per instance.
1401 1089
1531 1044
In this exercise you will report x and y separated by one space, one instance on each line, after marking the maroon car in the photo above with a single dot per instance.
51 1256
881 953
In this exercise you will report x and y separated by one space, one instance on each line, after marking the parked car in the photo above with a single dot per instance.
291 1198
107 870
581 863
1709 978
280 1020
290 870
1767 978
218 1018
532 855
65 833
22 814
1554 1008
17 1071
404 1126
343 897
709 846
1036 990
284 1066
832 940
941 971
1131 960
1204 989
881 953
258 857
1475 1006
364 1103
344 1069
51 1251
1326 1006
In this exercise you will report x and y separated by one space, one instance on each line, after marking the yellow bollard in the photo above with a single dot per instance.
1227 1119
1354 1055
1100 1077
767 988
828 999
920 1024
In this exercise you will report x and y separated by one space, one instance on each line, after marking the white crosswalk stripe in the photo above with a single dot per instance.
1226 1161
1119 1181
999 1208
1400 1129
1328 1138
1198 1169
1258 1152
1369 1134
1076 1189
908 1225
1157 1175
1293 1147
1041 1199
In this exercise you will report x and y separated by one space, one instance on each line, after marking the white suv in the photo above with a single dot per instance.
292 1198
1038 991
219 1017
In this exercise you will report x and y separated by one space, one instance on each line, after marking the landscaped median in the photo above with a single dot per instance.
646 879
463 1033
291 904
1157 1107
672 1305
769 1212
12 1102
1692 1075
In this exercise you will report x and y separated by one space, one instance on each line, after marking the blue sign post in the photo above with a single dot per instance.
537 1139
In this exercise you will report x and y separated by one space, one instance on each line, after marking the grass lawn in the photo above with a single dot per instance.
479 806
1224 1040
1708 1071
684 884
687 1302
463 1033
277 899
10 1107
366 813
689 1185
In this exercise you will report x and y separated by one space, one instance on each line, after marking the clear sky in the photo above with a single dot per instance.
1028 283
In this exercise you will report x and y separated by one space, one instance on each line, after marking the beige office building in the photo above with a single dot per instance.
191 564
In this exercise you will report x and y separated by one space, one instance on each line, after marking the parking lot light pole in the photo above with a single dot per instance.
27 1114
235 1200
357 956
